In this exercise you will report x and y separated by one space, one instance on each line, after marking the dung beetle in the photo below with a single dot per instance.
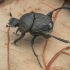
37 24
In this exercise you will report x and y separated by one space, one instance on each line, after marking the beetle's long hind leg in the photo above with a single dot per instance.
22 35
32 42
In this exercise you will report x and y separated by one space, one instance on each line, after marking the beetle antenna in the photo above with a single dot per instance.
66 41
51 13
10 14
10 11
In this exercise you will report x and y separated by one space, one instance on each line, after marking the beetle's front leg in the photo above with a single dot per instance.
16 31
22 35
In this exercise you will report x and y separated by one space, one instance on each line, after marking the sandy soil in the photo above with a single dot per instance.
53 54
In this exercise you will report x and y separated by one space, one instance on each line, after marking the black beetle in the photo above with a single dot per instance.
37 24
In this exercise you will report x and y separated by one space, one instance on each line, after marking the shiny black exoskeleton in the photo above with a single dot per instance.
37 24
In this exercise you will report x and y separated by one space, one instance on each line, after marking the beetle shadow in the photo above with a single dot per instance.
27 40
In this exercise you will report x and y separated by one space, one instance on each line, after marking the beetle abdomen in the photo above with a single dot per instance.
41 24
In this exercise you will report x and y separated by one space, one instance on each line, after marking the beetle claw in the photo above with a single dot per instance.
14 43
16 33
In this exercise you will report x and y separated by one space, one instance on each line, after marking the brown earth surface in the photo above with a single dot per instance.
53 54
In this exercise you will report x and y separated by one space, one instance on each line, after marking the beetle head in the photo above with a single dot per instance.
13 22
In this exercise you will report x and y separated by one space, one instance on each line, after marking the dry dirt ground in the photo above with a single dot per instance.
53 54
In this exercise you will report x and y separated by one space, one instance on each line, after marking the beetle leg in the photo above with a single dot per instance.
22 35
32 42
17 31
65 41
